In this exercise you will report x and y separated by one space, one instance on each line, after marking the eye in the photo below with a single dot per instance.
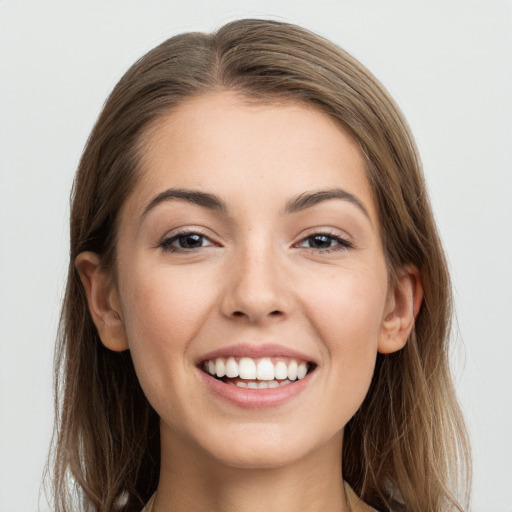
325 242
185 242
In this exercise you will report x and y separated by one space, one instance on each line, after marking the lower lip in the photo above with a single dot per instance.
254 398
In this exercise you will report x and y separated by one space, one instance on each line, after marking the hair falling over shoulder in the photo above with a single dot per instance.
407 446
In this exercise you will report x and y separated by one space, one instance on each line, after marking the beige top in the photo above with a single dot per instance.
149 504
352 498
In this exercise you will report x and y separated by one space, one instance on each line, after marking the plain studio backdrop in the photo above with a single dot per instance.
447 63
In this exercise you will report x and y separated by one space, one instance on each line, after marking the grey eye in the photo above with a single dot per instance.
324 241
319 241
191 241
185 242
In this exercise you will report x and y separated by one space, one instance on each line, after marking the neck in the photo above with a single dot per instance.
193 480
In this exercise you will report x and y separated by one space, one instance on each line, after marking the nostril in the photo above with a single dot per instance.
239 313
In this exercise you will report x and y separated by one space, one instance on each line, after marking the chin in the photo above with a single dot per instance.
269 449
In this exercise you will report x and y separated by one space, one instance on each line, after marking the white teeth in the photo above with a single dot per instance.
265 370
220 367
281 370
263 384
247 368
292 370
302 370
231 368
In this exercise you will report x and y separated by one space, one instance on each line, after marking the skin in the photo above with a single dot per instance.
256 277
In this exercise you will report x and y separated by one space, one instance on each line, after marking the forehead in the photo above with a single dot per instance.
244 149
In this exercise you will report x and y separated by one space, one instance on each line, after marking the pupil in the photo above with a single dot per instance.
190 241
320 241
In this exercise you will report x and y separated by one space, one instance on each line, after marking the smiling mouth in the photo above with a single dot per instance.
260 373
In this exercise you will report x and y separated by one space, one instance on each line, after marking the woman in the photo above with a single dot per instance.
258 305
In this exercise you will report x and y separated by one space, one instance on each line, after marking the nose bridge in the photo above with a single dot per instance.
254 283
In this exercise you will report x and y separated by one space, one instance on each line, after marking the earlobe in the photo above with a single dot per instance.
402 308
103 300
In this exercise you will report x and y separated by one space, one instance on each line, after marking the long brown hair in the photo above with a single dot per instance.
407 443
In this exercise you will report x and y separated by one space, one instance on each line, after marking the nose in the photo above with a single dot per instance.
256 288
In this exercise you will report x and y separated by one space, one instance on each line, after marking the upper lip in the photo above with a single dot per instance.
255 351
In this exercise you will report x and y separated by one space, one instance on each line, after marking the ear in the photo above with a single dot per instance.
103 300
402 307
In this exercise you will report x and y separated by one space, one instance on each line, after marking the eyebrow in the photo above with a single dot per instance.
209 201
309 199
212 202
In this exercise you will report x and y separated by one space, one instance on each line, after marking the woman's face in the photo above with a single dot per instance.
251 244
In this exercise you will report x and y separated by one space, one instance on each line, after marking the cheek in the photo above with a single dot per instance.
347 315
163 309
349 305
162 312
164 304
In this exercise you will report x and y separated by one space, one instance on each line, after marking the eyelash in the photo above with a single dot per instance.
341 243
